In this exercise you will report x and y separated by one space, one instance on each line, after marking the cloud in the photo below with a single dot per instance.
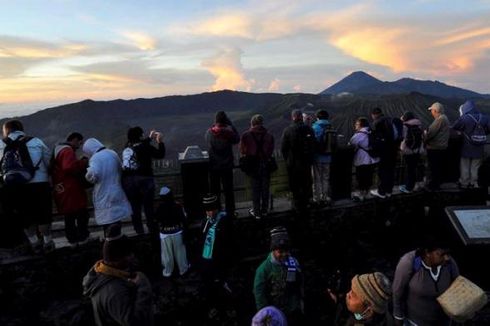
14 47
274 85
140 40
227 69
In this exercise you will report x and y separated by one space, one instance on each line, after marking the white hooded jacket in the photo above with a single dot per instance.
104 171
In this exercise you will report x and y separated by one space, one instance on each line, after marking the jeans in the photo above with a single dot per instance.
260 190
469 171
386 173
140 191
321 186
411 162
435 160
300 184
364 176
223 177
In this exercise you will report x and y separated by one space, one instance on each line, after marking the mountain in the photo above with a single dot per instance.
361 83
184 119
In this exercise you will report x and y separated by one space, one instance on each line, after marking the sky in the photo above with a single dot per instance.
55 52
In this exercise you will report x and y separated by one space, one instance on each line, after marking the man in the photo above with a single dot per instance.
474 126
137 175
68 174
326 139
24 164
279 279
258 143
119 295
220 139
436 142
297 148
387 148
104 171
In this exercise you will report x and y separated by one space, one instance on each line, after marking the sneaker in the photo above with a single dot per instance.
357 197
49 247
377 194
253 214
404 189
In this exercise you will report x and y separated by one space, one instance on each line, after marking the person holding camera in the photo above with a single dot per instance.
220 139
137 174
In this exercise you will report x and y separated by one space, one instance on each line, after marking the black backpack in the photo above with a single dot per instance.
397 125
327 144
375 143
413 139
16 165
307 143
478 136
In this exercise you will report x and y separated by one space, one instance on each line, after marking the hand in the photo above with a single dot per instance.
152 134
158 137
136 279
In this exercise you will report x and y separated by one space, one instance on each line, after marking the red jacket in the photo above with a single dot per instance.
250 140
68 180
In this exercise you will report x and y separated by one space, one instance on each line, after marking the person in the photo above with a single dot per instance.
137 175
258 143
474 126
104 171
411 147
365 164
436 142
119 294
420 277
269 316
323 157
366 302
384 131
220 139
279 279
68 178
216 252
171 217
297 148
27 197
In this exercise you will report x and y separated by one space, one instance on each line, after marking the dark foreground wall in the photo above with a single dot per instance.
352 239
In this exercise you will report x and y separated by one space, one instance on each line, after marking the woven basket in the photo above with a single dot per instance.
462 299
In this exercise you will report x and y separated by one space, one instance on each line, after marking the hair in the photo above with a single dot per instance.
257 120
429 243
407 115
13 125
322 114
363 121
296 114
134 134
221 117
376 111
74 135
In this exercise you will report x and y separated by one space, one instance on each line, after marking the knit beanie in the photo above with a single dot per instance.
210 202
116 245
374 288
269 316
279 238
257 120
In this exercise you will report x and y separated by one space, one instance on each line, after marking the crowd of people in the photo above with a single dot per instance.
124 185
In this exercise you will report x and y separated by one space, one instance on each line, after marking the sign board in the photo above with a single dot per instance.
471 222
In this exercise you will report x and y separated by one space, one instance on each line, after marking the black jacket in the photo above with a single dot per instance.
298 145
144 153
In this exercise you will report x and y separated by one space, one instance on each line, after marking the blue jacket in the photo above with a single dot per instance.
318 127
465 124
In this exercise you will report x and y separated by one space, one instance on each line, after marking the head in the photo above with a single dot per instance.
376 113
407 115
360 123
280 243
433 251
269 316
211 204
117 250
11 126
436 109
135 135
296 115
257 120
467 107
322 114
75 139
221 118
91 146
369 295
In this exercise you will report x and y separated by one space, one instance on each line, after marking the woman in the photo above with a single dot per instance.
411 147
363 161
420 277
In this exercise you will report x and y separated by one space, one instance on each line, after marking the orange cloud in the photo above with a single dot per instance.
228 24
274 85
33 51
227 69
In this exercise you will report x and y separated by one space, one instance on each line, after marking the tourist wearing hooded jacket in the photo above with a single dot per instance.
321 162
220 139
258 142
104 171
471 154
410 156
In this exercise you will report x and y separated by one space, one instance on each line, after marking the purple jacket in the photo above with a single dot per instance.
360 140
466 124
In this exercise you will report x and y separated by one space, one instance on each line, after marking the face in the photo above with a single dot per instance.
211 212
5 131
280 254
436 257
434 113
76 143
354 303
357 125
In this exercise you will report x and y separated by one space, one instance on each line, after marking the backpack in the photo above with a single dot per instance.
413 139
375 144
478 136
129 159
327 143
397 125
307 143
16 165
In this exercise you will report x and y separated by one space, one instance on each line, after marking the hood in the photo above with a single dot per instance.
222 131
322 122
59 148
466 108
413 122
99 275
258 129
91 146
15 134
